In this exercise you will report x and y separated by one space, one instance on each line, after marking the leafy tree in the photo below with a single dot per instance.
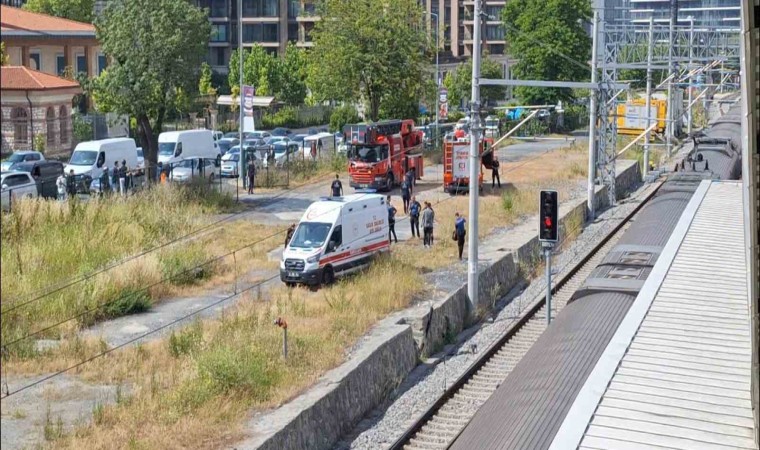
343 115
368 51
459 82
260 69
291 86
157 47
538 33
3 55
205 86
79 10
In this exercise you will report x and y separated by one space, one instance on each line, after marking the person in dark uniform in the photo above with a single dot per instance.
414 216
459 232
251 176
391 221
289 234
71 187
495 172
406 194
337 187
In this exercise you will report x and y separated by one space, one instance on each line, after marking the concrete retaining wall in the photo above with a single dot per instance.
331 408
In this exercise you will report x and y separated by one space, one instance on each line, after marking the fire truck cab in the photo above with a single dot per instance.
381 153
456 163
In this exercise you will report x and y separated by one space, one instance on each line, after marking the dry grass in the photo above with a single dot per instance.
193 388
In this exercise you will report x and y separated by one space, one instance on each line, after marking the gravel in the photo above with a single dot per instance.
428 381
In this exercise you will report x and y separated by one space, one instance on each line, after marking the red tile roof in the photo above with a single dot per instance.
19 19
17 78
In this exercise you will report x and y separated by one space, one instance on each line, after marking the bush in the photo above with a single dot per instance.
455 116
130 300
186 341
182 263
82 129
39 143
229 368
343 115
291 117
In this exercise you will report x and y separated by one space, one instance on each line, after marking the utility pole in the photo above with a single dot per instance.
650 52
472 248
437 78
691 71
592 116
241 160
670 125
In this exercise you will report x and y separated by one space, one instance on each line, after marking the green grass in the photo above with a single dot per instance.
47 243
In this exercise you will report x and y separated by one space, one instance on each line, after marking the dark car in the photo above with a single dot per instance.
282 132
45 173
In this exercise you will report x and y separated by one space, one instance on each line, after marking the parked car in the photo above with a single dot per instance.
218 135
91 157
230 163
298 138
190 168
256 135
16 185
232 134
19 157
284 152
276 139
282 132
226 143
45 174
174 146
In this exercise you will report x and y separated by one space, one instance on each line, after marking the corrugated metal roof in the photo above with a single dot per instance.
684 380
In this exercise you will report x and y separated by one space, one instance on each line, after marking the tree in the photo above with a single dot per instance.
259 70
3 55
459 82
539 33
205 86
156 48
368 51
291 87
79 10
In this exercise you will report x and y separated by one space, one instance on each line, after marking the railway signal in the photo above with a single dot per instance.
548 233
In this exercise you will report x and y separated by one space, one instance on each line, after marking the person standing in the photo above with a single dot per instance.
337 187
459 232
289 234
71 186
159 171
60 183
414 216
251 176
428 218
406 193
495 172
391 221
123 177
115 176
410 180
104 181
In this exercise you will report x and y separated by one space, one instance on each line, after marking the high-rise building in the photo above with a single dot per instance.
14 3
716 14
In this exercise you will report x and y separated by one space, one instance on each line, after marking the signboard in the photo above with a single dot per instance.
247 98
461 167
636 116
443 103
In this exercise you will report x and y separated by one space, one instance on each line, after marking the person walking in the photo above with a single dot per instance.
459 232
251 176
289 234
406 194
60 183
337 187
414 216
428 218
495 171
391 221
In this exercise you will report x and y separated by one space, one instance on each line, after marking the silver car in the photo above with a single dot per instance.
21 157
16 185
191 168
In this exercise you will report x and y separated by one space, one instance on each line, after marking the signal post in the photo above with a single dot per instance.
548 234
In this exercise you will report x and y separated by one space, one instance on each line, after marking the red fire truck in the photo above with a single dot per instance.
380 153
456 163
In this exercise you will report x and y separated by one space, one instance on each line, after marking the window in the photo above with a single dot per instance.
19 118
63 117
292 31
102 63
260 32
16 180
50 119
294 8
218 8
81 64
336 239
494 33
219 33
217 57
261 8
60 64
34 58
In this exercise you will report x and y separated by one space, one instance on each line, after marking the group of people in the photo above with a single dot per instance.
119 179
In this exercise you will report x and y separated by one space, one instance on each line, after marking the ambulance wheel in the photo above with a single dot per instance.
328 277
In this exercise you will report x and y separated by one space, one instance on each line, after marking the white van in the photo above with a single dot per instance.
336 236
174 146
91 157
318 145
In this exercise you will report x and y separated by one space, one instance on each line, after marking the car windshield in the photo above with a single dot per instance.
16 157
299 137
166 148
310 235
188 163
235 157
280 132
140 153
83 157
368 153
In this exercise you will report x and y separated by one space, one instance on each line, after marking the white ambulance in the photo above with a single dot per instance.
336 236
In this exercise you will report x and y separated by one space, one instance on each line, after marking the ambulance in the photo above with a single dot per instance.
335 237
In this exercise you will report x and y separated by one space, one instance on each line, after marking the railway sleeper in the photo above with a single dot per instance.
415 444
431 436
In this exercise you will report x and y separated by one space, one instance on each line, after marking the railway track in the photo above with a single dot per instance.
439 426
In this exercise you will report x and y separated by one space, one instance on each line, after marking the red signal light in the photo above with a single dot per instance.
548 221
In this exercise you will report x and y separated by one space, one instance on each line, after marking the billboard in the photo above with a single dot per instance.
249 92
461 167
443 103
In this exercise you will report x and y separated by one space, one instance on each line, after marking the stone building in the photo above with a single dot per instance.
36 104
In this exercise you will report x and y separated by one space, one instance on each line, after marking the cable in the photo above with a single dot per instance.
135 339
91 275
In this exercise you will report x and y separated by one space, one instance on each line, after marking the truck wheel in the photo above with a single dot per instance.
328 277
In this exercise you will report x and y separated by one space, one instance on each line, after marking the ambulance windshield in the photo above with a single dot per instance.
310 235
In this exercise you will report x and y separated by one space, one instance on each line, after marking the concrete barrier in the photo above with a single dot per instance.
331 408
